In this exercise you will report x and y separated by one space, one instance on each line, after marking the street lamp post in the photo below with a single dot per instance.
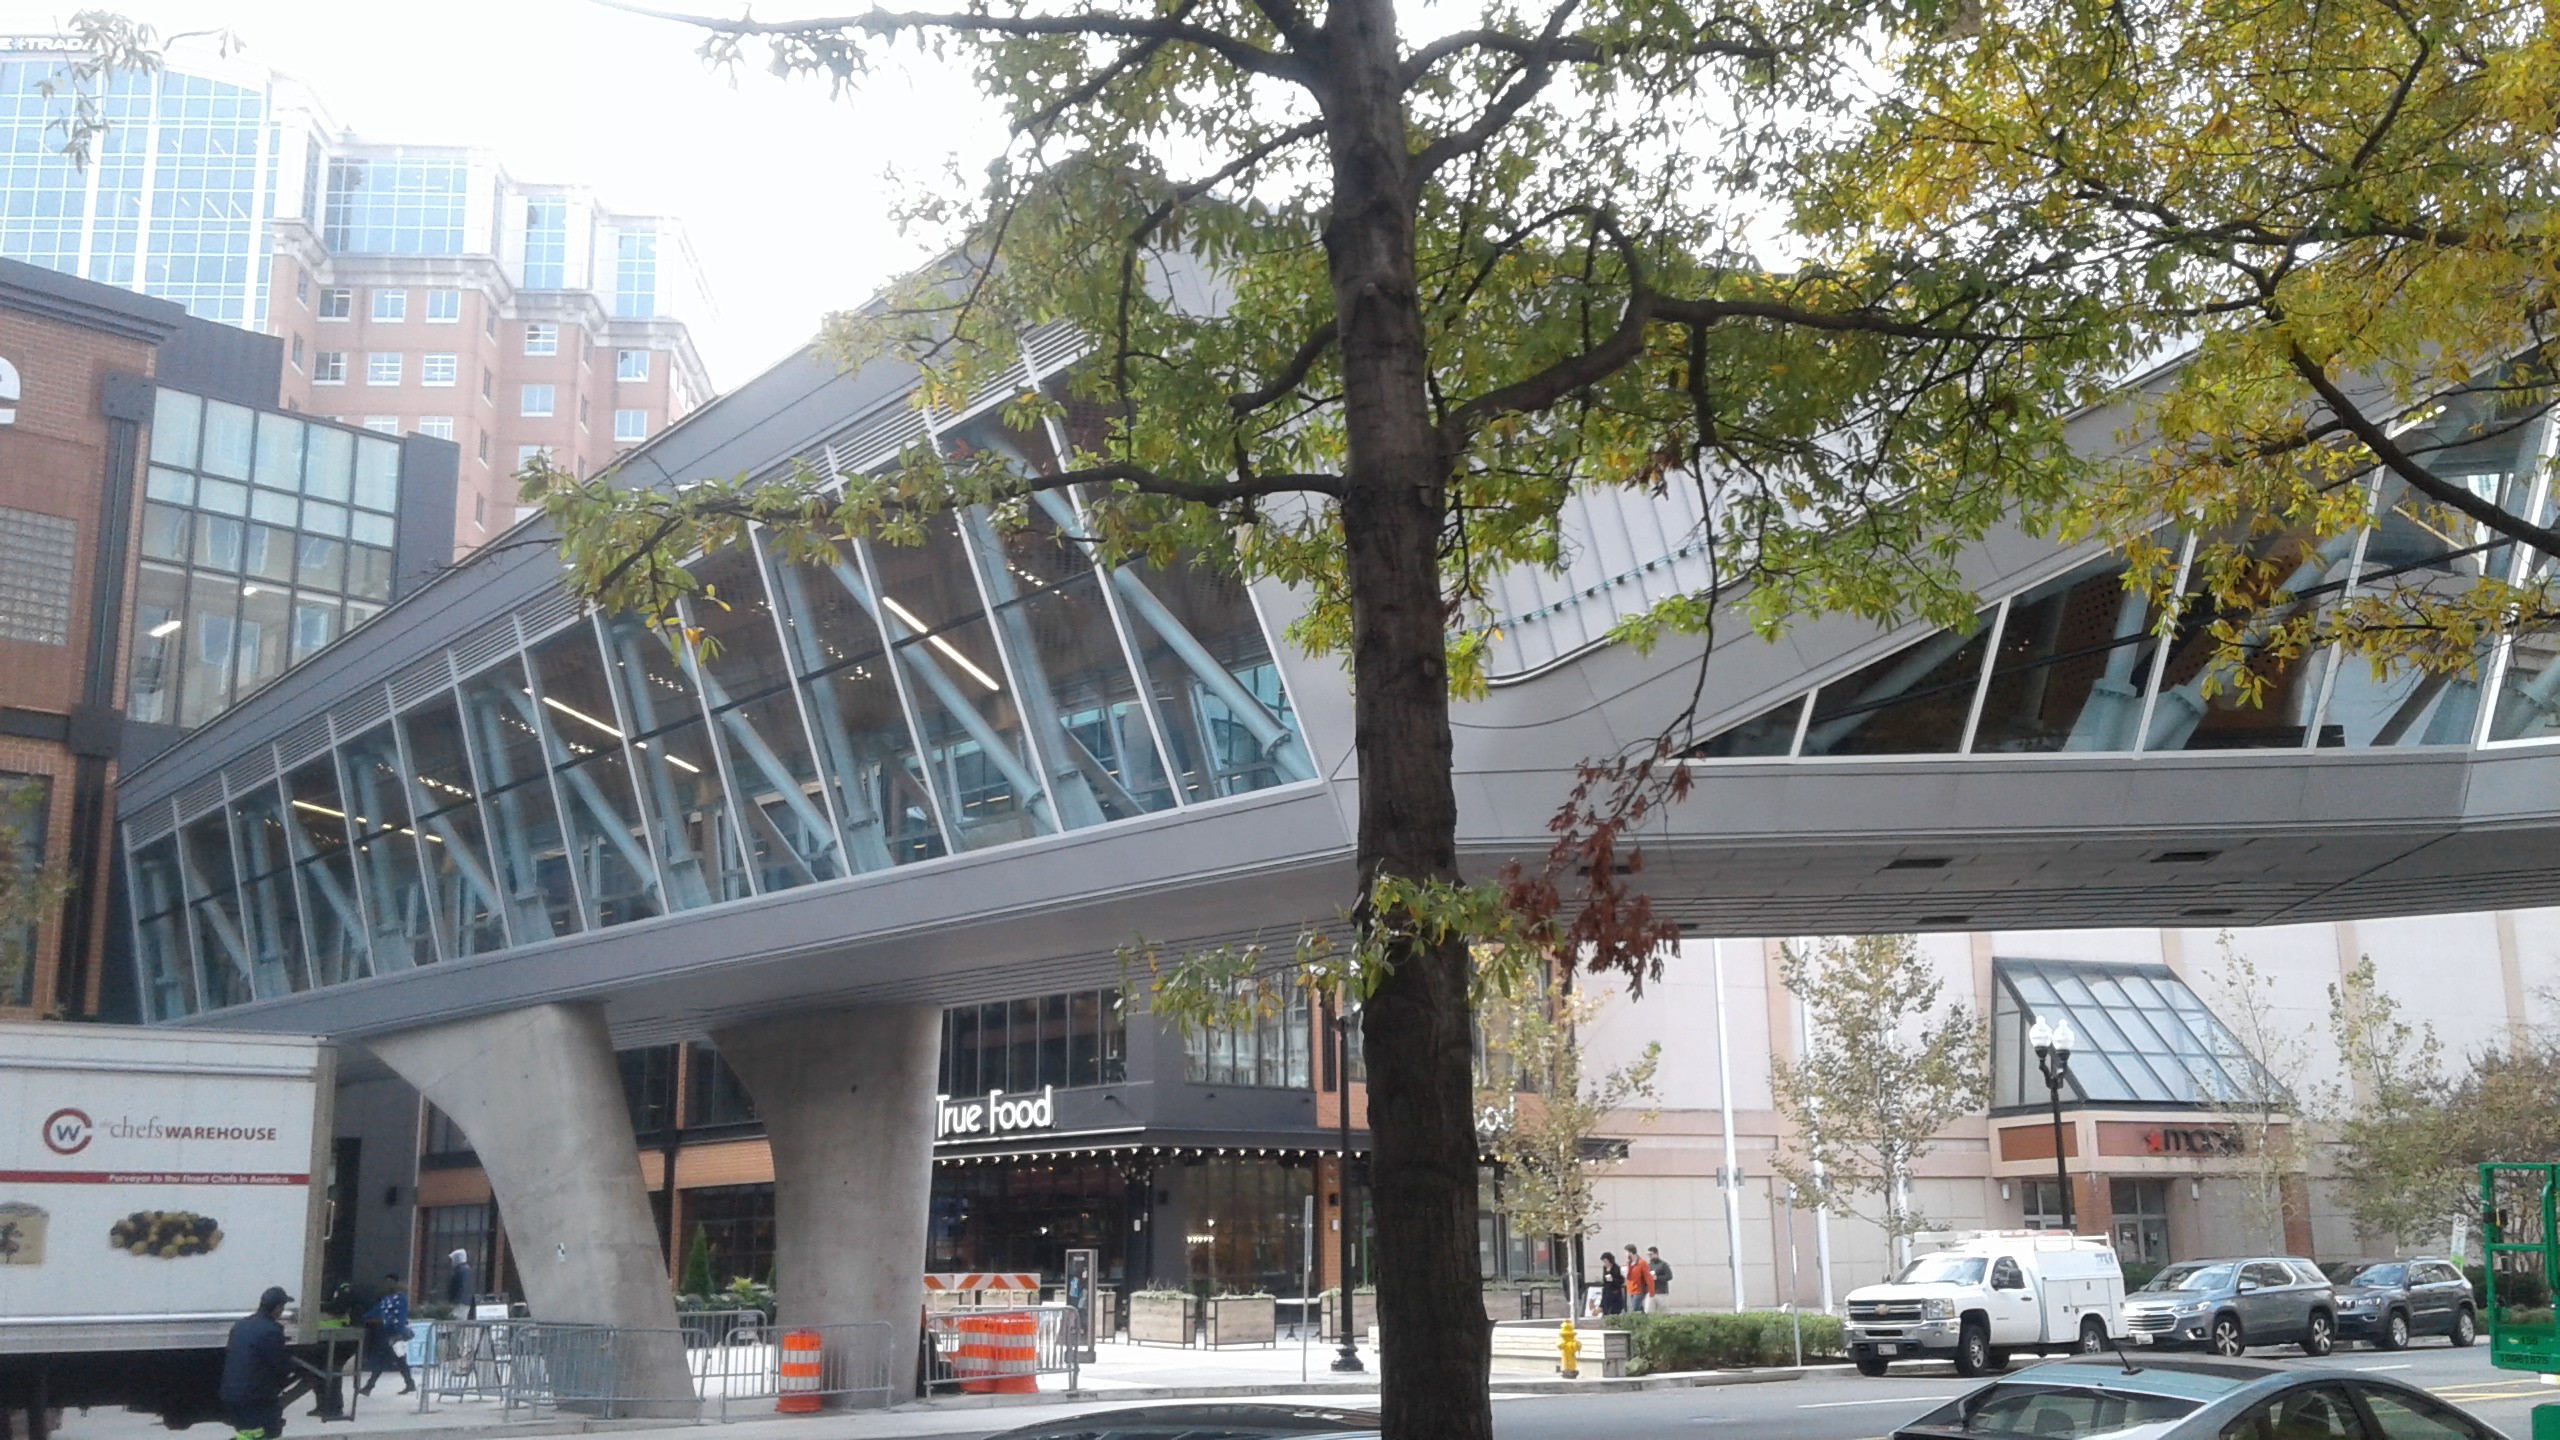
2053 1056
1348 1362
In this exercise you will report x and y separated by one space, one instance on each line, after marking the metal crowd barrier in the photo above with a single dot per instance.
732 1358
958 1345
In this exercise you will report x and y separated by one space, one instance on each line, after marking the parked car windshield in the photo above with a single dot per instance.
2369 1272
2191 1277
1942 1270
2089 1413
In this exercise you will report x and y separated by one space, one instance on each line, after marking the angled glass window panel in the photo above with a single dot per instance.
2184 716
617 880
213 904
657 693
267 555
756 717
333 918
461 883
278 464
1225 711
229 440
218 543
2073 661
1054 622
531 857
177 419
320 563
742 656
271 921
698 850
386 852
864 744
329 467
210 635
2008 1081
159 643
1911 702
1772 732
266 630
167 965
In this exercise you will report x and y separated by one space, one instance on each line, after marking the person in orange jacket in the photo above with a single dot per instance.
1639 1281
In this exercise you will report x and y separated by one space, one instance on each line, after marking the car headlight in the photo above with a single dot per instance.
2197 1308
1937 1309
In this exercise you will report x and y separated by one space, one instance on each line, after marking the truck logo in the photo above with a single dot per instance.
67 1132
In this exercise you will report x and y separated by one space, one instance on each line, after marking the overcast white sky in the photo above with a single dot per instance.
780 186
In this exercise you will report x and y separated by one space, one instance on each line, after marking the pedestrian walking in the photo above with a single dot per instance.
386 1338
1639 1282
1613 1285
458 1292
255 1367
1661 1269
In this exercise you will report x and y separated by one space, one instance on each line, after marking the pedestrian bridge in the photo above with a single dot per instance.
977 768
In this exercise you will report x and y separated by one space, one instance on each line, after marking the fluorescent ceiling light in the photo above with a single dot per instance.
582 715
164 629
938 643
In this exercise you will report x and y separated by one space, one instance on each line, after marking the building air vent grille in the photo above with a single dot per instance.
362 712
150 823
251 770
540 620
421 680
481 650
303 741
201 796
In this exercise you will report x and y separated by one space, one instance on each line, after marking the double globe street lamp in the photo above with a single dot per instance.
2053 1056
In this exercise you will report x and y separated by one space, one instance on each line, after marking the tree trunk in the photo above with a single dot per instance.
1431 1322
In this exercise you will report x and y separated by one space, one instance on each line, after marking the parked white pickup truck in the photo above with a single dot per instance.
1987 1295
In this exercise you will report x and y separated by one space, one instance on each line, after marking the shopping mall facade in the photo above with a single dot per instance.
801 907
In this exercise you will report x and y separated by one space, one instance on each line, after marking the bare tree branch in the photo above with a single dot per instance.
890 23
2401 463
1291 375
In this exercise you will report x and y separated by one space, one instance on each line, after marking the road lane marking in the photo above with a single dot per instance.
1883 1400
2369 1369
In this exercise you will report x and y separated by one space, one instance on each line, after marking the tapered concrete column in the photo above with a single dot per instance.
847 1100
539 1096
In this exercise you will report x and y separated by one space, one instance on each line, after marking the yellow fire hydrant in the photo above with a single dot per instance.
1568 1349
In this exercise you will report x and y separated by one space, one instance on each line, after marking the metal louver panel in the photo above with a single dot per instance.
362 711
250 770
421 680
484 649
146 825
199 797
303 741
540 620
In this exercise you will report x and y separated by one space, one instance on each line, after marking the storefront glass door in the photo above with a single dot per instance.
2142 1221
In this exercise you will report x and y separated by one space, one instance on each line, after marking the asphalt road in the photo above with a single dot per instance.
1839 1404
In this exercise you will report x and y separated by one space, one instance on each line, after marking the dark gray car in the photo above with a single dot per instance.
2226 1306
2391 1302
2194 1398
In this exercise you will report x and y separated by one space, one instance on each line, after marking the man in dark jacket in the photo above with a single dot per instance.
255 1368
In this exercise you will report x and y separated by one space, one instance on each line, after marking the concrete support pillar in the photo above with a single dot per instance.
847 1100
539 1096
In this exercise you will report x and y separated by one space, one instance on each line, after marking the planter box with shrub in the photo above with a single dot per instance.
1241 1320
1162 1317
1364 1313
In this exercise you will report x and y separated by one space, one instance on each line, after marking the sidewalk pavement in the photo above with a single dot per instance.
1122 1374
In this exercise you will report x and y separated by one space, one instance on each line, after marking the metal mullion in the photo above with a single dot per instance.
1804 718
293 877
2163 645
799 699
692 665
2500 662
630 765
355 860
2335 655
895 664
1982 683
551 778
1059 450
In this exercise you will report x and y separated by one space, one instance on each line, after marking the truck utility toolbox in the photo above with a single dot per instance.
152 1184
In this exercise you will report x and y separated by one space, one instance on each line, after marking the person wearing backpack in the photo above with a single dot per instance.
1661 1269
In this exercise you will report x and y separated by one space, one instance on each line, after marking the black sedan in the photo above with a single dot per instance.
1206 1422
2182 1398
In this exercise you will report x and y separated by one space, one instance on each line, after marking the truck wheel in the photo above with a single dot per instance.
2225 1338
1872 1365
2466 1328
2395 1332
2093 1335
2320 1335
1973 1350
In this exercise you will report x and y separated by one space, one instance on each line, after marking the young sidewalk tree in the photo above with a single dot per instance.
31 891
2391 1152
1537 1114
2250 1085
1886 1068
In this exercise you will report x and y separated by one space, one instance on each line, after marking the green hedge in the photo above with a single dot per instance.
1665 1343
2526 1290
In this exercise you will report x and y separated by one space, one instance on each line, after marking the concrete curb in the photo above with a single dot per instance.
1683 1380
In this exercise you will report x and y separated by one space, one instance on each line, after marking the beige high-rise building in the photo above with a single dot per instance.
417 288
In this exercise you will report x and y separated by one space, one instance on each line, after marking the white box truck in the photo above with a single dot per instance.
152 1184
1981 1296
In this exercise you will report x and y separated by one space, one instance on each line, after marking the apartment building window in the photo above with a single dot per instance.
382 424
484 447
546 244
631 365
536 402
297 352
582 412
480 511
489 322
329 367
635 274
390 306
439 426
382 367
488 383
527 454
339 304
542 339
302 287
630 425
1071 1040
439 368
444 307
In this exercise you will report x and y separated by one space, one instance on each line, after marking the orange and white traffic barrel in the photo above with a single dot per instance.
801 1371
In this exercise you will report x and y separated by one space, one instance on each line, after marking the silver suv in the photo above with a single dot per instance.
2226 1306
